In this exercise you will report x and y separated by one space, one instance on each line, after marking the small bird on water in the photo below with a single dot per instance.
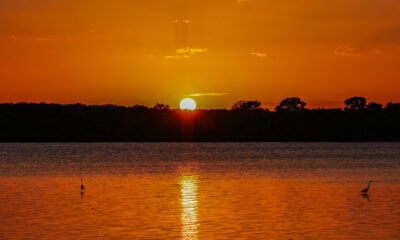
366 190
82 187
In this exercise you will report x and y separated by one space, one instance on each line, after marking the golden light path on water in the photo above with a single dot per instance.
189 206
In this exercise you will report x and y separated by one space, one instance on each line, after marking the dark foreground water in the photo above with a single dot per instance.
199 191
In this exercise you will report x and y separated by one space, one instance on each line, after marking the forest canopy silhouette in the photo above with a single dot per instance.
245 121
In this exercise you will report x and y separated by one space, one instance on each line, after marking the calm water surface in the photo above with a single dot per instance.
199 191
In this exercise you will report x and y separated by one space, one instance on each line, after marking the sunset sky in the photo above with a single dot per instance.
130 52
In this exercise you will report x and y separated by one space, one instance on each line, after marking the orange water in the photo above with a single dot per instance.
136 191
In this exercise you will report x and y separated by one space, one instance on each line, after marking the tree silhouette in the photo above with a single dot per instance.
161 107
77 122
374 107
393 106
246 105
290 104
355 104
139 108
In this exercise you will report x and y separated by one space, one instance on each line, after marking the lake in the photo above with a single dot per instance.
199 191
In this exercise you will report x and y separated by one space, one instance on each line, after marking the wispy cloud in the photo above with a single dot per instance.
352 52
177 57
190 50
208 94
258 54
28 38
183 21
348 51
42 39
182 53
377 52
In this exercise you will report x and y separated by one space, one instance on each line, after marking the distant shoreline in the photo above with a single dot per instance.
201 141
108 123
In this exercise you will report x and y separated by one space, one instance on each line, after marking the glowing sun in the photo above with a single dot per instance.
187 104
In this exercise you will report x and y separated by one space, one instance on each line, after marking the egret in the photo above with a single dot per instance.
82 187
366 190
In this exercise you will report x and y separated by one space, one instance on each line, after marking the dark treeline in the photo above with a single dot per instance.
246 121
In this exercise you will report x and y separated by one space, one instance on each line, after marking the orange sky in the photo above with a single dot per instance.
141 52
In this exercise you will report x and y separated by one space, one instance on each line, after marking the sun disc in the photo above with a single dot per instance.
188 104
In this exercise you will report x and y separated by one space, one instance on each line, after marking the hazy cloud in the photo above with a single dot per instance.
42 39
351 52
258 54
348 51
183 50
182 53
176 57
27 38
190 50
183 21
377 52
208 94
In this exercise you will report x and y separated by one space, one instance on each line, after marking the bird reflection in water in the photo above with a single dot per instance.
364 195
82 188
189 206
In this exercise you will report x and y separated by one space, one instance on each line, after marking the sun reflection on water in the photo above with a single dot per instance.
189 206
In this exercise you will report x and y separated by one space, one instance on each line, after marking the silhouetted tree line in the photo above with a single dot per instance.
245 121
